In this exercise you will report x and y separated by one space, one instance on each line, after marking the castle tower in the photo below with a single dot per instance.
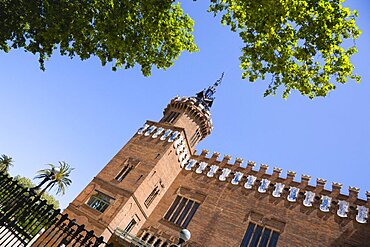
127 190
156 186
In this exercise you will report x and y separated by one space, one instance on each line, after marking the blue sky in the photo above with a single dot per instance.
83 113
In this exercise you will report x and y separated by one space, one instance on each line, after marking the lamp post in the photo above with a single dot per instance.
184 237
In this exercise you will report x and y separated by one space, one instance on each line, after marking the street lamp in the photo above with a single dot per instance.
184 237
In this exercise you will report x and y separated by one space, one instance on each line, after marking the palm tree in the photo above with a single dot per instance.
45 175
5 163
55 176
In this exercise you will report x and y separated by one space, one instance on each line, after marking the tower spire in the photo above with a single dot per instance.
206 97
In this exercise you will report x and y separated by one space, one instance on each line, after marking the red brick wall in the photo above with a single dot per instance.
225 210
155 163
223 217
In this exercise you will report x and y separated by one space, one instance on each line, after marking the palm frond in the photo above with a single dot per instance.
57 176
60 179
5 162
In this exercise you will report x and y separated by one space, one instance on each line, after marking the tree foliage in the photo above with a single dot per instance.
27 183
5 163
123 32
55 176
298 43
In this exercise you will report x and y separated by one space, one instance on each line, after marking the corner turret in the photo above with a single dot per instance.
192 114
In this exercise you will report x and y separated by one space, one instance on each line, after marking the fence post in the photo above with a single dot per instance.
24 215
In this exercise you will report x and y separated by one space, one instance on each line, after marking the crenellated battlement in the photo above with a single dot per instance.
156 186
345 206
194 109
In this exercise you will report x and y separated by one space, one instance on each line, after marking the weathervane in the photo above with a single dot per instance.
206 96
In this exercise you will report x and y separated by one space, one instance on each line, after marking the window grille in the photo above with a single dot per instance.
130 226
181 211
257 235
100 202
151 197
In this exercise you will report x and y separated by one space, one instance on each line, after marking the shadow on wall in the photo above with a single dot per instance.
357 236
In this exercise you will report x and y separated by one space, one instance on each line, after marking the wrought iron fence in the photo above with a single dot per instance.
27 220
129 239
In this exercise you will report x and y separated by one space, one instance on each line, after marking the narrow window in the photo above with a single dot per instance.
274 239
123 173
248 235
191 214
130 226
265 237
257 235
151 197
178 210
99 202
184 212
173 206
172 117
181 211
195 137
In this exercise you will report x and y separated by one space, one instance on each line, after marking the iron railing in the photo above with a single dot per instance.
130 239
27 220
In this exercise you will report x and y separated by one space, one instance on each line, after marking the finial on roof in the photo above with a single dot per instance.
206 96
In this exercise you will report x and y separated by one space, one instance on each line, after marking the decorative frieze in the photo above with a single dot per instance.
173 136
237 177
309 197
178 142
201 167
180 149
264 185
278 189
142 129
184 161
190 164
325 203
342 208
362 214
224 174
250 182
150 130
212 171
158 132
293 193
183 155
166 134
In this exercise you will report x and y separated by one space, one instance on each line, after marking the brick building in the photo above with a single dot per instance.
157 185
